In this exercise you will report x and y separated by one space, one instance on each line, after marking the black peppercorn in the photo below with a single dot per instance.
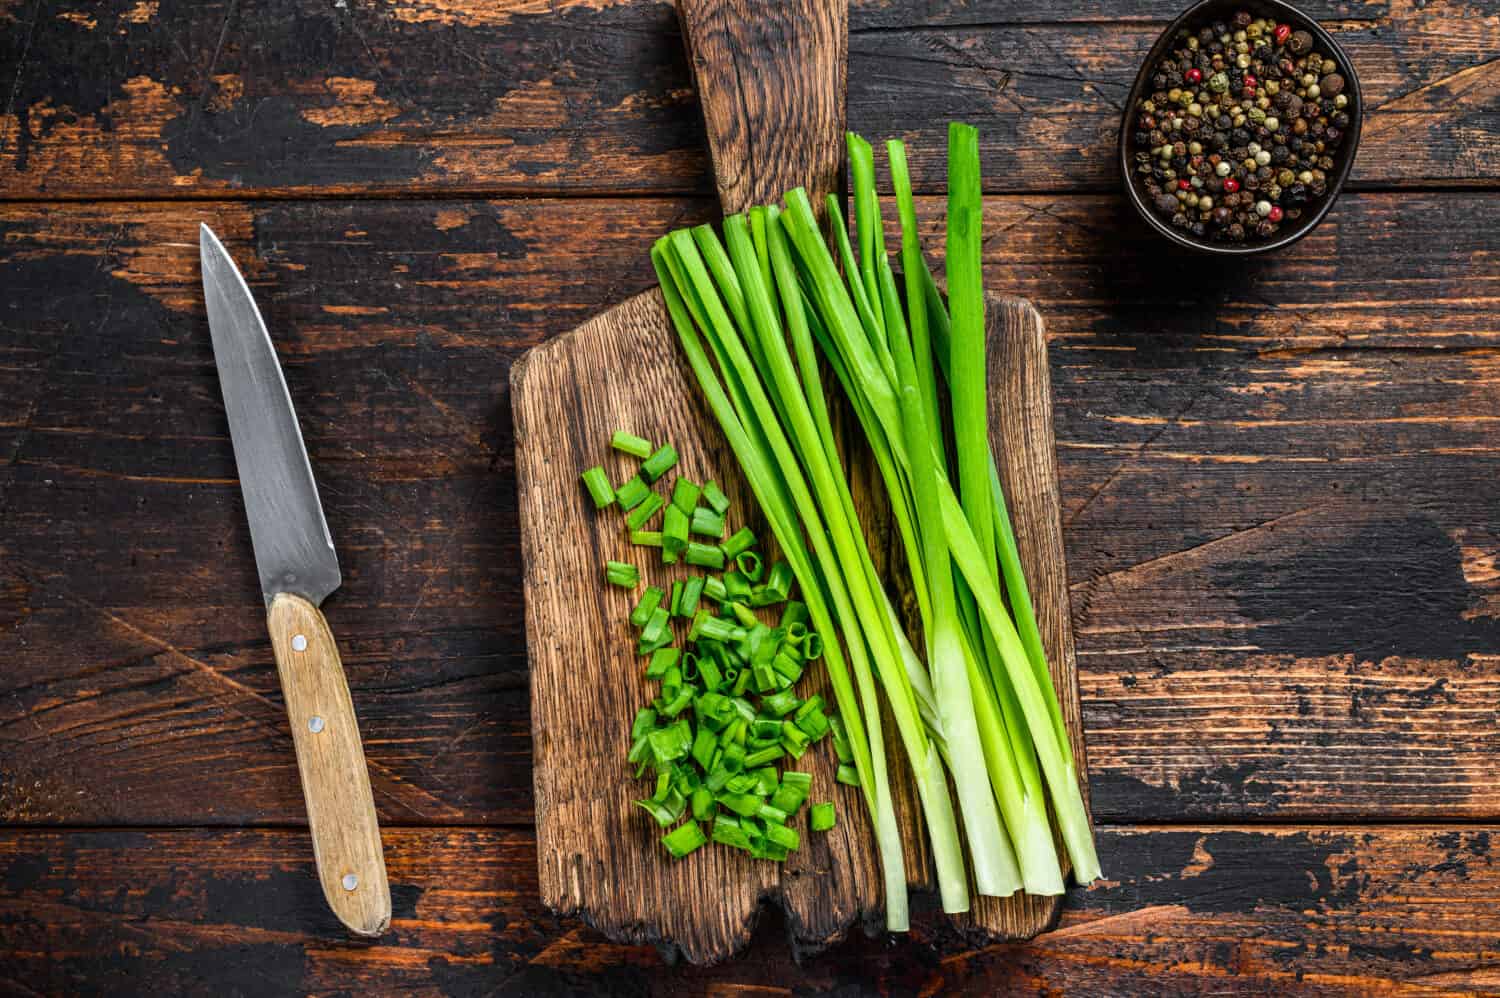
1299 43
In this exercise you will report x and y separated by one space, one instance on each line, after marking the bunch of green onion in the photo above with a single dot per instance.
726 711
755 312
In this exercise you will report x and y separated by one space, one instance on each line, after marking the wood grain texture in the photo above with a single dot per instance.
1226 910
1316 430
771 81
599 856
236 98
331 762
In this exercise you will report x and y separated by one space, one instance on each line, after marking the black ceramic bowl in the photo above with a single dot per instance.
1208 11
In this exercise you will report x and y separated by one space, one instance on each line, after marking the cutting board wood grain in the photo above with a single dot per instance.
771 79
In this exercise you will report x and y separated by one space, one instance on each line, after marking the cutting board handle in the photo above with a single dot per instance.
771 78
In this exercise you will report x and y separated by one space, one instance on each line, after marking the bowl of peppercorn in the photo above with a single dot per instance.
1241 128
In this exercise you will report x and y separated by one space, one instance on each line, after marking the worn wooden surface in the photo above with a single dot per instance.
163 98
1279 485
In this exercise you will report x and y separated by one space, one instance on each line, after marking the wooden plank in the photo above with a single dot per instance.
623 369
1341 910
282 97
1296 459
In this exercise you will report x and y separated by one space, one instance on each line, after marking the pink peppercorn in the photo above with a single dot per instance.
1282 32
1275 215
1231 185
1194 75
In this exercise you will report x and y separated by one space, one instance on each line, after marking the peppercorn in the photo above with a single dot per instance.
1238 119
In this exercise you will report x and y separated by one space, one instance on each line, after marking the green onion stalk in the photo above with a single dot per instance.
978 702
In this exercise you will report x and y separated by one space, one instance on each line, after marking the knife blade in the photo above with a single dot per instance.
298 569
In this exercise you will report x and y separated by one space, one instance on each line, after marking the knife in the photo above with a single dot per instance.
298 569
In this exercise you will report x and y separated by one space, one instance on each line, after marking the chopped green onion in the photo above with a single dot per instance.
736 586
708 671
783 836
659 463
707 523
714 589
646 538
661 660
685 495
637 518
703 804
681 841
597 482
742 539
692 592
779 583
822 817
727 830
622 574
630 443
675 602
763 756
649 601
847 776
749 564
744 615
715 498
704 555
656 625
645 721
632 493
674 529
781 704
795 611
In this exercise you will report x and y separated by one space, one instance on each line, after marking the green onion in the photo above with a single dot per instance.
646 538
649 601
783 836
742 539
704 555
674 529
685 495
692 592
599 488
637 518
659 463
630 444
623 574
714 588
675 602
683 840
655 626
661 660
715 498
821 817
632 493
749 564
707 523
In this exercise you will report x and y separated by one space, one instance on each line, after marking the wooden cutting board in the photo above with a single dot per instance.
771 78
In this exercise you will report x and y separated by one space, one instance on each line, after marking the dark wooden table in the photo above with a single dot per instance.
1281 487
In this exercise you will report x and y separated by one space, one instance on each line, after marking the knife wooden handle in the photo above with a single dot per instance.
335 781
771 79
